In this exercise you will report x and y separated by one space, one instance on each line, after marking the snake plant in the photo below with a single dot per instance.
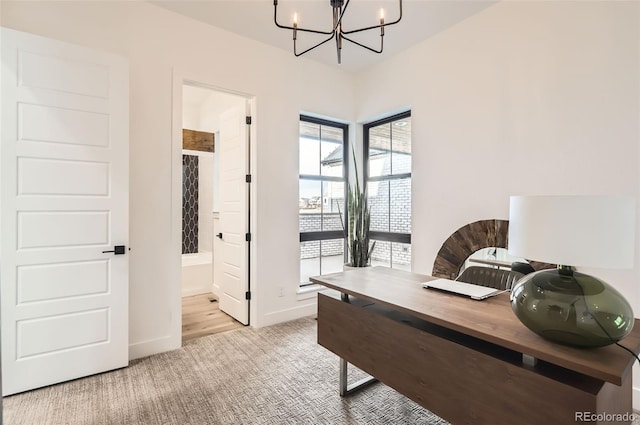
357 233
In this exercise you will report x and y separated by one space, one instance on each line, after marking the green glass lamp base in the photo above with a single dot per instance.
571 308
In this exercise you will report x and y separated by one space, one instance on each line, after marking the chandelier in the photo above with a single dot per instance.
339 8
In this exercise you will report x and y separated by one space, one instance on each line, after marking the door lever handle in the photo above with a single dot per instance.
117 250
219 235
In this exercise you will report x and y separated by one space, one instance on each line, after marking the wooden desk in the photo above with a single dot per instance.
462 359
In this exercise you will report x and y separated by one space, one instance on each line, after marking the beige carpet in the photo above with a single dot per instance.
274 375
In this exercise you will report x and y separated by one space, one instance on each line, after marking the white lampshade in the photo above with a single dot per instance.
586 231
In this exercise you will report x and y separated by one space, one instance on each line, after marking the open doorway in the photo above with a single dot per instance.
215 154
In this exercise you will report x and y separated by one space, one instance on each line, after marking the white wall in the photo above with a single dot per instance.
202 107
522 98
191 115
156 42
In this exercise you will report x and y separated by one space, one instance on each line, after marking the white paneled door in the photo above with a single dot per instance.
64 180
234 282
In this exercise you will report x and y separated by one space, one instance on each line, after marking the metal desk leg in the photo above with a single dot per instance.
345 388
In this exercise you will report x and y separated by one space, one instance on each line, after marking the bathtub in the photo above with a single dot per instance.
197 273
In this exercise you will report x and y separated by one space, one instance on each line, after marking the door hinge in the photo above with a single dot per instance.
247 295
248 120
247 237
247 178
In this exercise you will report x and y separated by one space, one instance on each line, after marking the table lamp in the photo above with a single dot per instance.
561 304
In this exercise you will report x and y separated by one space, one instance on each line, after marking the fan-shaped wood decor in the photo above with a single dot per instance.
469 239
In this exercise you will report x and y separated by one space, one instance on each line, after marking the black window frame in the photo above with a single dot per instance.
330 234
380 235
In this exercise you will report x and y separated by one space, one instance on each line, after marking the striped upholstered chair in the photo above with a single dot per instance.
486 276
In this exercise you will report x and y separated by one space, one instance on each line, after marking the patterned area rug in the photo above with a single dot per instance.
273 375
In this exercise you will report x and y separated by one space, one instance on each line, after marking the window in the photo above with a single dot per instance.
387 152
322 187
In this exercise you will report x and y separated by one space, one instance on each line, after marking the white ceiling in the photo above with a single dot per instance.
254 19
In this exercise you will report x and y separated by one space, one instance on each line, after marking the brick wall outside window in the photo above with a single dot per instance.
395 206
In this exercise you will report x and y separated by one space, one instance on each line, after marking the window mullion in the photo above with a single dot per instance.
389 205
390 149
321 178
320 256
322 206
389 177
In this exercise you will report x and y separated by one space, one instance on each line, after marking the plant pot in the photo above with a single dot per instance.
346 267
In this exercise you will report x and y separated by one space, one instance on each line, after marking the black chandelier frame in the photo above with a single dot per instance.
339 8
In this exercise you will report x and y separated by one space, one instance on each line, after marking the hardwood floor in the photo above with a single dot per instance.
201 317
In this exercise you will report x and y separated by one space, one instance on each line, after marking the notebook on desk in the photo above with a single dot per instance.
475 292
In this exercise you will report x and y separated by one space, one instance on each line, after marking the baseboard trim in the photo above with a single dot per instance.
287 315
154 346
195 291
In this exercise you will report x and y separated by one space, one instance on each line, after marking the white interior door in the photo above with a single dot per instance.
234 283
64 164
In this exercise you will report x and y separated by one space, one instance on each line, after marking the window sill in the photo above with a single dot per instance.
309 291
